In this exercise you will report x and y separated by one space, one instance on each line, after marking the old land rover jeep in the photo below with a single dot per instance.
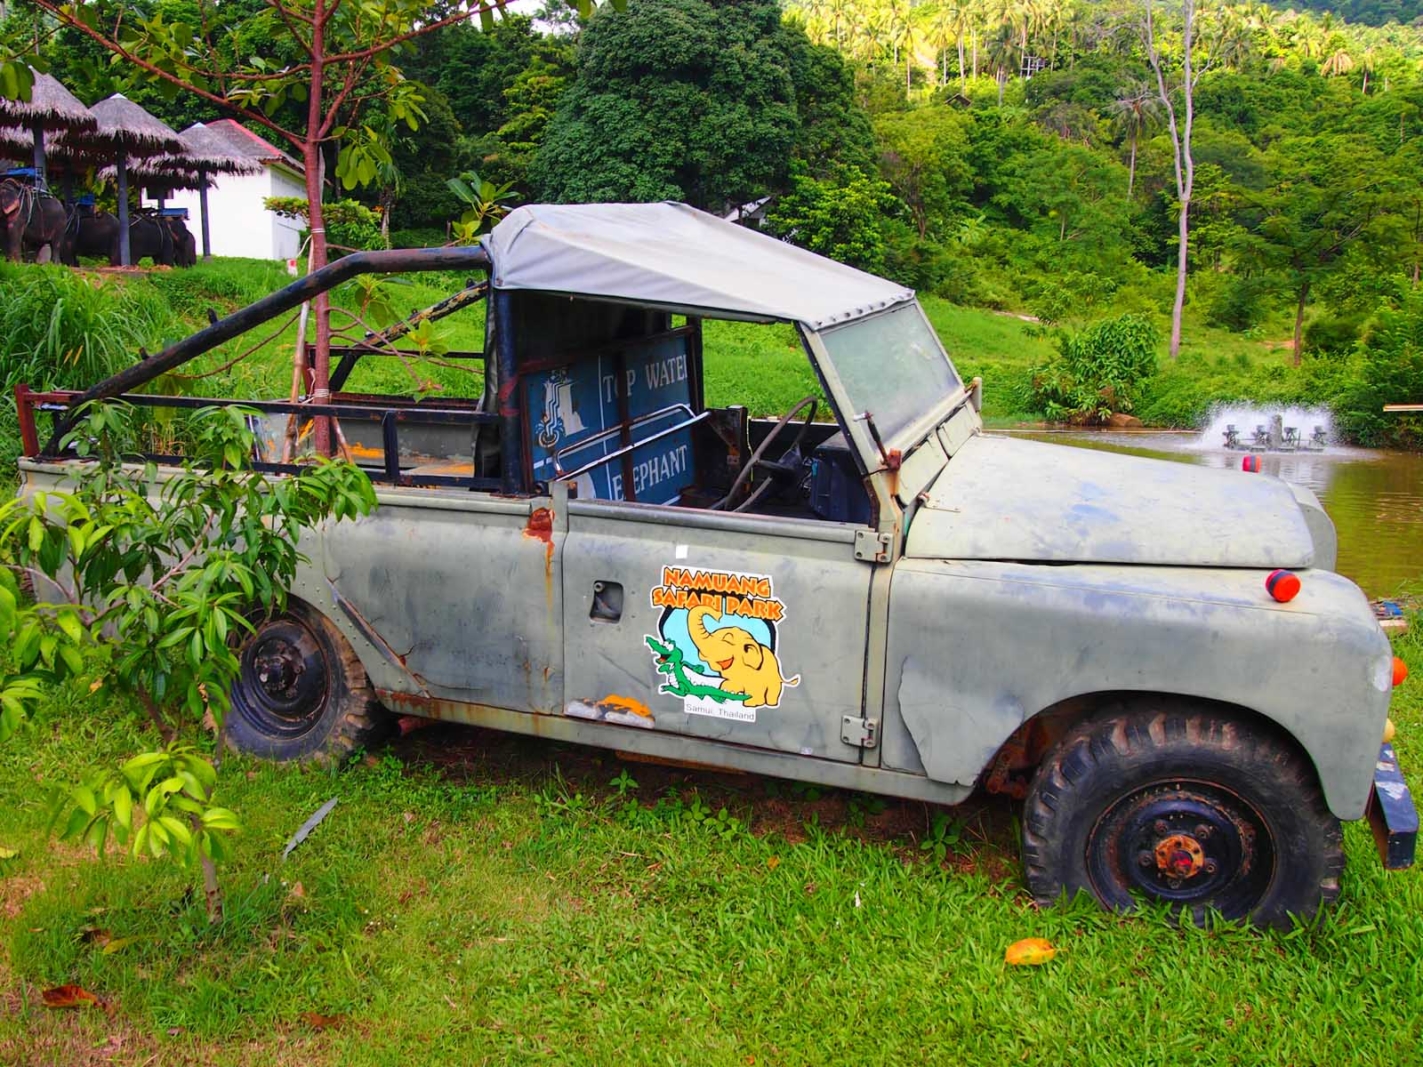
869 592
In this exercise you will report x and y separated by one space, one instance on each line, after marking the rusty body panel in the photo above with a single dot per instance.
458 630
662 746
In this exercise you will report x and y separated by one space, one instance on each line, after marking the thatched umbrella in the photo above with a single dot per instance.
15 147
125 132
51 107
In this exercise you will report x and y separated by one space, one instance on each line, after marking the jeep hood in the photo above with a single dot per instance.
1007 499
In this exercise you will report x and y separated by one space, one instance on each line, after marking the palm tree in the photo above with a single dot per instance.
1135 112
944 28
963 21
1339 62
1000 55
899 31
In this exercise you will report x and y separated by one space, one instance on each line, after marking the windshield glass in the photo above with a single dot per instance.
892 366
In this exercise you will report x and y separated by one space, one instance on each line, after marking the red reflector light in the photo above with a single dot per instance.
1282 585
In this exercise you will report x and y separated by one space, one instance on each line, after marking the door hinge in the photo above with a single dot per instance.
862 733
872 546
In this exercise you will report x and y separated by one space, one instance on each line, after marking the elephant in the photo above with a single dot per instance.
30 219
151 237
166 241
185 247
92 233
746 665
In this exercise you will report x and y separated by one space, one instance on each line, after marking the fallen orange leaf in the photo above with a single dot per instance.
773 862
1029 952
322 1022
67 996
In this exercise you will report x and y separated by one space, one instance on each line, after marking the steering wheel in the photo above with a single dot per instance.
781 472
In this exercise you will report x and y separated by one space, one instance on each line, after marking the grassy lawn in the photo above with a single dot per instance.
475 898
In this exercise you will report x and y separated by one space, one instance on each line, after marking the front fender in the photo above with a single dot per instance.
977 648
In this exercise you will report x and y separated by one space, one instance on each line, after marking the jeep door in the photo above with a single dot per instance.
718 626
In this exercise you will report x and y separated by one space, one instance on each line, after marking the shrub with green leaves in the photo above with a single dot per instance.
1098 371
147 582
350 225
1387 370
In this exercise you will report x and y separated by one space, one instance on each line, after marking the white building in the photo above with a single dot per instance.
239 224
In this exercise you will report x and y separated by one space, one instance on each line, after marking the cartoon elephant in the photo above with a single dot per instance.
746 665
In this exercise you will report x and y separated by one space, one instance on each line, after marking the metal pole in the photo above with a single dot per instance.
396 261
40 183
203 210
511 443
124 257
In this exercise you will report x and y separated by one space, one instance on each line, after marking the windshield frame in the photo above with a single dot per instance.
911 433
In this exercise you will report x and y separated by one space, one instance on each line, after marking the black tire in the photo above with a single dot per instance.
1186 806
301 693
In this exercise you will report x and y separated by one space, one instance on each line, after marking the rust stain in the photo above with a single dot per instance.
366 452
540 527
618 703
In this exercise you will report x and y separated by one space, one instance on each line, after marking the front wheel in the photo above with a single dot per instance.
301 693
1187 807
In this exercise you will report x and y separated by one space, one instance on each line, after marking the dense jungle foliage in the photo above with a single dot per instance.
1003 154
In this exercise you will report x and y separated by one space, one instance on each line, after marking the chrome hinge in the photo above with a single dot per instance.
862 733
872 546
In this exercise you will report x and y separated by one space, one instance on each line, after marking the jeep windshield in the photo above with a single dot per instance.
892 365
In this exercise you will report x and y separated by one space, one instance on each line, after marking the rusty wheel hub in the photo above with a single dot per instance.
1180 856
1185 842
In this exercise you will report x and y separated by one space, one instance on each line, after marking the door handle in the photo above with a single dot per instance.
607 602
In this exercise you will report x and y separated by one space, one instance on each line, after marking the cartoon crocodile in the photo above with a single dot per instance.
669 662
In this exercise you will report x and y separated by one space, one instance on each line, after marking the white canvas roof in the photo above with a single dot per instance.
673 256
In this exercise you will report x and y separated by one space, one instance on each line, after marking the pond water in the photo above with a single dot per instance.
1374 497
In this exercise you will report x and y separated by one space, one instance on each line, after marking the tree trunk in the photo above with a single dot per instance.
212 891
1181 155
1131 172
1188 186
962 87
1183 227
1299 320
316 221
975 53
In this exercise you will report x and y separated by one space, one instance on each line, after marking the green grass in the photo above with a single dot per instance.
480 899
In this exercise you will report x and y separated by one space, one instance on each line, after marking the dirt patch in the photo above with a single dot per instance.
15 892
983 825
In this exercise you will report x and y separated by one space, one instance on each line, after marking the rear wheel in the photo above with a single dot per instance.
1188 807
301 693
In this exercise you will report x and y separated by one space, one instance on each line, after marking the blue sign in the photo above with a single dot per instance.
574 403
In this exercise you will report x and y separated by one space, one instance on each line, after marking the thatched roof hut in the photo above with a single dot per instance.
50 107
125 132
50 104
123 125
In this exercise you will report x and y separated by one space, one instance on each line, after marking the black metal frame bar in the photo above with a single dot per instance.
395 261
60 404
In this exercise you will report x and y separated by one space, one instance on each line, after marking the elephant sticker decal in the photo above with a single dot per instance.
716 640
